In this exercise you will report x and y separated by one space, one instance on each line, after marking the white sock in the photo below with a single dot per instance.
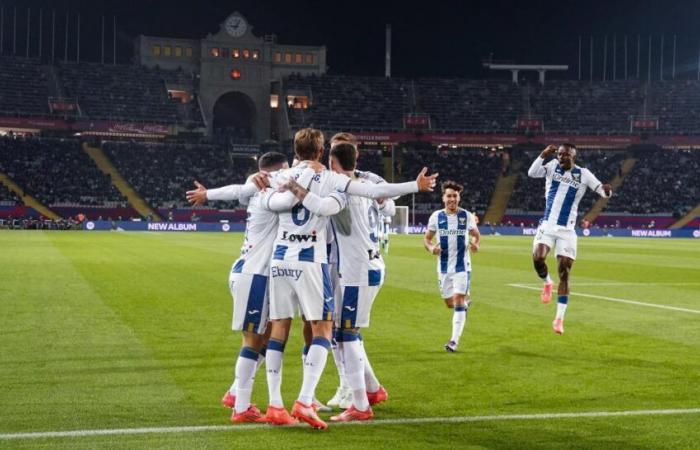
355 368
459 318
245 376
261 360
561 309
232 389
547 279
313 368
339 364
273 361
371 381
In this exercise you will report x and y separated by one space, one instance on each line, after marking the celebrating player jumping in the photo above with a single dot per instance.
565 185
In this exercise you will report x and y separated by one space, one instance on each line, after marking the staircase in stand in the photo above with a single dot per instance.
616 182
27 199
502 192
135 200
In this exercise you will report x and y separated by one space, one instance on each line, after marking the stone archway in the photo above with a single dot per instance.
234 116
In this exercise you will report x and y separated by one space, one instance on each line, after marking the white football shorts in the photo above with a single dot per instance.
250 302
562 241
300 286
354 306
454 283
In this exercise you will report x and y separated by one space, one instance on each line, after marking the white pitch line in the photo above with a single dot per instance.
630 283
618 300
417 420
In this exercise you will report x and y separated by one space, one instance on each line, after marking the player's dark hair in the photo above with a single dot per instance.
271 160
346 154
449 184
567 144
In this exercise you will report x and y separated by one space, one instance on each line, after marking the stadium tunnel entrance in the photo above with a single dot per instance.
234 116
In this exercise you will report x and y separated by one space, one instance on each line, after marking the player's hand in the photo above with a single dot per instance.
197 196
426 183
607 189
474 247
261 180
316 166
380 201
436 249
549 150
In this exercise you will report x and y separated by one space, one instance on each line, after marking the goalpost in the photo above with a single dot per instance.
399 223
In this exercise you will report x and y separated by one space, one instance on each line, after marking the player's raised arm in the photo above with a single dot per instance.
537 169
423 183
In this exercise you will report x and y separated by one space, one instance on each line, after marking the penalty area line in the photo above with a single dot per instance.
617 300
406 421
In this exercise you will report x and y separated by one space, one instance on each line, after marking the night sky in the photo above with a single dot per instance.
440 38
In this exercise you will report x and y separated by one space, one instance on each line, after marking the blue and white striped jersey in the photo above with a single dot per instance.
453 233
563 191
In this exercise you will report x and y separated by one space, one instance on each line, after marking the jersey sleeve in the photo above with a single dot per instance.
592 182
369 176
326 206
537 168
471 223
232 192
432 223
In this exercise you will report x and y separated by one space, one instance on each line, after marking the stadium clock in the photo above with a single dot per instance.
236 26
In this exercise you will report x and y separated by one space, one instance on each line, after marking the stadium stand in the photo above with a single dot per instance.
478 106
119 92
663 181
23 87
677 105
476 169
56 172
350 103
162 172
580 107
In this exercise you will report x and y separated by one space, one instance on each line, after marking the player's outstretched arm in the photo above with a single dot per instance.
428 243
423 183
537 169
201 194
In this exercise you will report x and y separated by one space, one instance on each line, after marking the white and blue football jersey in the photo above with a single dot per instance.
260 233
563 191
301 234
453 234
360 262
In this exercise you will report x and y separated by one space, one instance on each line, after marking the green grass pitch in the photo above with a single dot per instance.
103 331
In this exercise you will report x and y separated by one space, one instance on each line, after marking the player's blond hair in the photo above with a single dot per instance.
308 144
340 138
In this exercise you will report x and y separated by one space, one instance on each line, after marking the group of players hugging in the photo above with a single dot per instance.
312 248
